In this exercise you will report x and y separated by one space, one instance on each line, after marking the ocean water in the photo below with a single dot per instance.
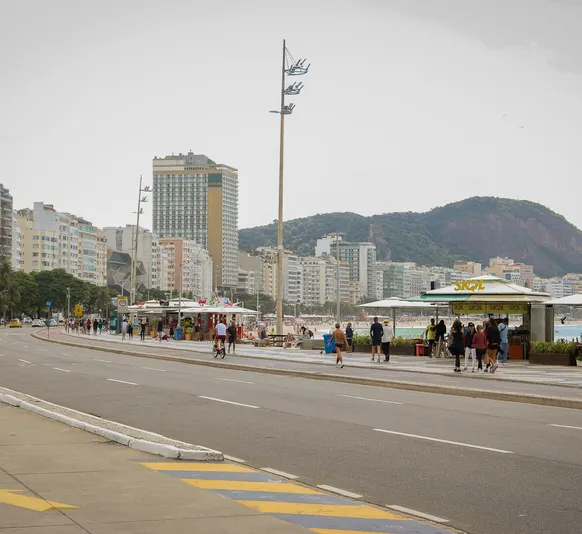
568 332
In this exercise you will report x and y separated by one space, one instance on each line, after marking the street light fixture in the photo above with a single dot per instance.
290 67
141 199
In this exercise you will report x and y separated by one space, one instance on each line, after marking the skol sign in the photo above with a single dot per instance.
469 285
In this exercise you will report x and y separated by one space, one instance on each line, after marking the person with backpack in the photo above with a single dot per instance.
493 341
231 336
457 345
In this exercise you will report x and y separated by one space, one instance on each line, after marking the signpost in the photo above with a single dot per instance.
122 308
78 311
49 304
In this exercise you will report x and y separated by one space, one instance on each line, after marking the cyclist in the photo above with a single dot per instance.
220 335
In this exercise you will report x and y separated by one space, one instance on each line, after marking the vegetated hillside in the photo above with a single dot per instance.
474 229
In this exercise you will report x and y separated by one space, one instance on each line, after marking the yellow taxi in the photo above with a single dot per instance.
15 323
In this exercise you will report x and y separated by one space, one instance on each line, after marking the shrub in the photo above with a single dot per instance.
404 342
559 347
362 339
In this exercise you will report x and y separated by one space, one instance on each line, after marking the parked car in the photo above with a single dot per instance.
37 323
51 322
27 320
15 323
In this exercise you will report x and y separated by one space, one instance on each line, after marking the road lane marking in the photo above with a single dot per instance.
352 511
24 346
279 473
567 426
122 382
373 400
42 350
234 459
417 513
228 402
63 370
443 441
24 361
153 369
32 503
340 491
67 354
231 380
103 361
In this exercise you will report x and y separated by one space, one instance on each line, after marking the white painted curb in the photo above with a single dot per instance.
167 451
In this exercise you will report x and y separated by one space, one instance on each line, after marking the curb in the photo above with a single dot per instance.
559 402
160 449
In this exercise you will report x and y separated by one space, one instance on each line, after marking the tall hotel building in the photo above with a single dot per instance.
196 199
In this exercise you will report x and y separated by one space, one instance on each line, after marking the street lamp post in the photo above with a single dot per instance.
338 310
290 67
180 296
140 199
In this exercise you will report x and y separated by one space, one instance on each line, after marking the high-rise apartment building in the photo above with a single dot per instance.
6 216
189 267
16 260
360 256
320 281
470 267
56 240
196 199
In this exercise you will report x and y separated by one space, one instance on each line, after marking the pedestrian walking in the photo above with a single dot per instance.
457 347
480 346
130 329
95 326
231 336
160 329
124 326
376 333
387 337
504 344
441 331
349 337
341 342
142 330
430 336
470 351
100 326
493 341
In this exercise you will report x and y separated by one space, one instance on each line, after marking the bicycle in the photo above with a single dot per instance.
219 349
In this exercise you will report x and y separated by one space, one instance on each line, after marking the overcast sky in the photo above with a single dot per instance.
409 104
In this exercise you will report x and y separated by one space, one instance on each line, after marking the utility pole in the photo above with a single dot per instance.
338 310
180 296
289 67
140 199
68 307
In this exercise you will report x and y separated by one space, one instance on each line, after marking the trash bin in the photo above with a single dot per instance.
328 343
178 334
420 349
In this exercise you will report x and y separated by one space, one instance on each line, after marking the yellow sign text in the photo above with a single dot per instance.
469 285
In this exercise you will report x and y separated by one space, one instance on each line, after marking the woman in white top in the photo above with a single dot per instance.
387 338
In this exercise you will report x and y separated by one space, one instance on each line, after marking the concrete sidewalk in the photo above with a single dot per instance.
59 480
516 370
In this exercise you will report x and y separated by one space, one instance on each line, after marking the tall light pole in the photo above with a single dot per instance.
140 199
180 296
338 310
290 67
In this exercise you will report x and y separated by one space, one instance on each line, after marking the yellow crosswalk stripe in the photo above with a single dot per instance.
335 510
269 487
32 503
201 466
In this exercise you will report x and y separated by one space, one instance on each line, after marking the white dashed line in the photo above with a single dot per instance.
24 361
122 382
373 400
416 513
231 380
340 491
63 370
228 402
443 441
67 354
103 361
153 369
42 350
567 426
279 473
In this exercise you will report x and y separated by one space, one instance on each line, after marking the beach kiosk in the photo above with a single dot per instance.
490 296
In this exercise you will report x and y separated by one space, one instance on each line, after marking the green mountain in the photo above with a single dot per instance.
474 229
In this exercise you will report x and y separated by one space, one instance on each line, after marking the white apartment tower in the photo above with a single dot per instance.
196 199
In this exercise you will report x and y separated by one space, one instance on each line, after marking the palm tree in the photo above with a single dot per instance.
9 296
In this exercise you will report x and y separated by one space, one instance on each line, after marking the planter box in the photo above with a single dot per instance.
551 358
312 344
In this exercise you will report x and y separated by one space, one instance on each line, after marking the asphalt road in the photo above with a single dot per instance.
489 467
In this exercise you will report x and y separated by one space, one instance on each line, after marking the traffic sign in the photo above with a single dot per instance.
49 303
122 304
78 310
